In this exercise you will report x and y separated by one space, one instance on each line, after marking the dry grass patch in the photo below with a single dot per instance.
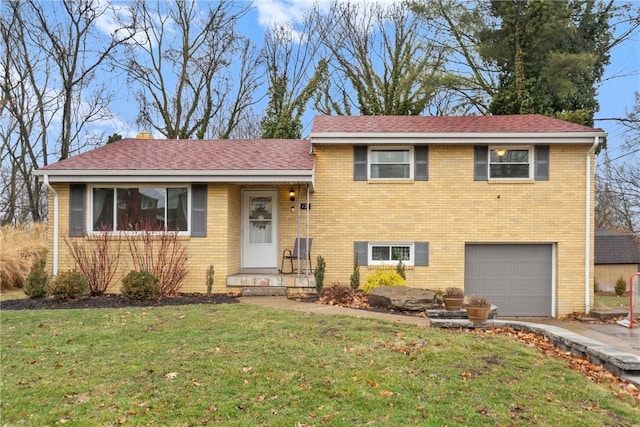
20 246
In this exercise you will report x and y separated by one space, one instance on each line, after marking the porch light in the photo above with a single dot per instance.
292 195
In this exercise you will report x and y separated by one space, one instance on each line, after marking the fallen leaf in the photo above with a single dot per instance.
372 383
386 393
171 375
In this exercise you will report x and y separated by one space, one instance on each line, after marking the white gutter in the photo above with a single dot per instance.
55 225
587 231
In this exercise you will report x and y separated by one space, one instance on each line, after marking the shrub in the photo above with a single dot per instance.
161 253
621 287
97 258
400 269
454 292
354 281
140 285
210 273
383 278
319 274
37 281
69 285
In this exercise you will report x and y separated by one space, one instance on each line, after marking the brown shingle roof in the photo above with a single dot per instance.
193 155
441 124
612 247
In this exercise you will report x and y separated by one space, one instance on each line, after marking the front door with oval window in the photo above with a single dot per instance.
259 226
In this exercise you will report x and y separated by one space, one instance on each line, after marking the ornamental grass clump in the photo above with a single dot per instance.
383 278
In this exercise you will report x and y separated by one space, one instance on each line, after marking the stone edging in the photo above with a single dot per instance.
623 364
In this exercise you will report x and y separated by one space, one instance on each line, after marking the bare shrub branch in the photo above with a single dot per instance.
159 252
97 258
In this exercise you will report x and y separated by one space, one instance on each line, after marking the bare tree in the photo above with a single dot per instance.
618 180
51 56
193 74
384 60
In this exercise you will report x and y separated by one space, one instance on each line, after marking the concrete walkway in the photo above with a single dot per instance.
615 347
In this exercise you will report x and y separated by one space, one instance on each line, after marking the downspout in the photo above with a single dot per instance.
587 231
55 225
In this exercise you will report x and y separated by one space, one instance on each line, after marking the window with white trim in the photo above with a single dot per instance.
390 162
390 253
510 162
139 208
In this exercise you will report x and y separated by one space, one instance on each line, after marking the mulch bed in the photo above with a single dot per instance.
113 301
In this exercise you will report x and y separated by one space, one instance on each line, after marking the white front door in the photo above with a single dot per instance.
260 229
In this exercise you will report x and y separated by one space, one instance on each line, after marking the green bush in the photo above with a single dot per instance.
140 285
69 285
354 280
319 273
383 278
621 287
37 280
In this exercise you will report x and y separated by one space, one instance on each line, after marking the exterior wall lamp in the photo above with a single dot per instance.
292 198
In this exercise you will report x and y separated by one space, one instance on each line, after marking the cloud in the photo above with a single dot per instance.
282 11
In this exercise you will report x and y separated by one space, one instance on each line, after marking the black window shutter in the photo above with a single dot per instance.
360 250
360 163
199 210
421 253
481 162
542 163
421 172
76 209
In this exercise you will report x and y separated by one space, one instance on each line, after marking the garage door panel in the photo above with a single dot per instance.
516 278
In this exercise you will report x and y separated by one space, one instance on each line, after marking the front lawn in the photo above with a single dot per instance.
244 365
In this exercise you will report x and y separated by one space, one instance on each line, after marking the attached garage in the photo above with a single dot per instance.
517 278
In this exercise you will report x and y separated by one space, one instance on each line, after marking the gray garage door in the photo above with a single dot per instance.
516 278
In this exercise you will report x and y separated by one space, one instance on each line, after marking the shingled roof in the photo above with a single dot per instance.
529 123
613 247
192 155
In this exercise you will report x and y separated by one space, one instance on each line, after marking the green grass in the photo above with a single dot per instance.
611 302
244 365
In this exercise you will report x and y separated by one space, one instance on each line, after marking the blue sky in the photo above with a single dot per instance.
616 94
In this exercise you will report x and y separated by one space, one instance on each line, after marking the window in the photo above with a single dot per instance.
140 208
390 253
390 163
510 163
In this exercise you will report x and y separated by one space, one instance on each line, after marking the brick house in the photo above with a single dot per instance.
499 205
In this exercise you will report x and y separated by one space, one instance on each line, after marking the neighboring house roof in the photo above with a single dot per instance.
613 247
460 129
198 160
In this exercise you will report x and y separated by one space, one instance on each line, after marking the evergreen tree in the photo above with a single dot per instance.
551 56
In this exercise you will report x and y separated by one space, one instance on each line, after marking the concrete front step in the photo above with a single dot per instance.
264 291
290 281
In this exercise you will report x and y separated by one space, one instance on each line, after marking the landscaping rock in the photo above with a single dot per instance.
401 298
